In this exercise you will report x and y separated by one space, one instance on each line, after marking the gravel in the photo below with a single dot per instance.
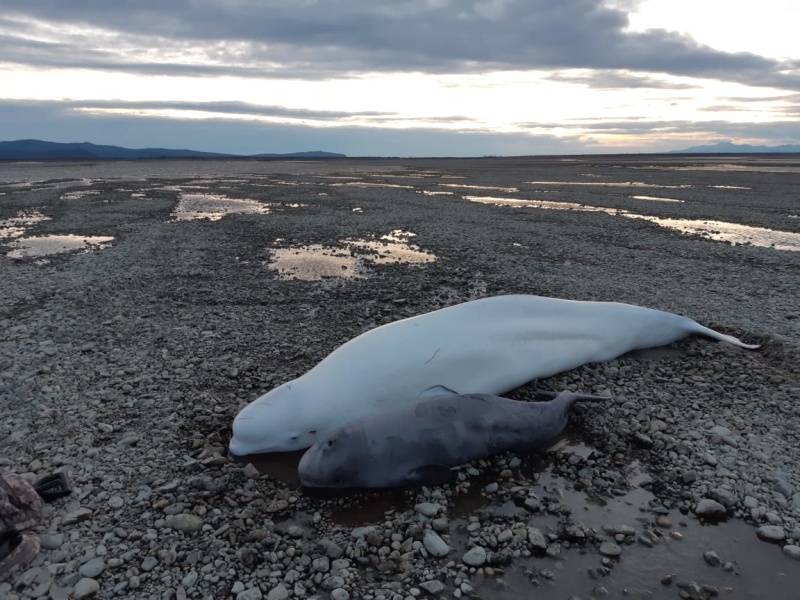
125 367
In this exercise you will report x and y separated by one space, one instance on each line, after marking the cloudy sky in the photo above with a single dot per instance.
401 77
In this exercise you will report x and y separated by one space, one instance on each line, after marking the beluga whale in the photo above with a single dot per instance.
486 346
417 443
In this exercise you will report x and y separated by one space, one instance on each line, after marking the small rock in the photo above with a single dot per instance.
709 509
711 558
77 516
85 588
279 592
792 551
251 472
252 593
149 563
340 594
770 533
610 549
428 509
184 522
92 568
434 544
475 557
433 587
536 538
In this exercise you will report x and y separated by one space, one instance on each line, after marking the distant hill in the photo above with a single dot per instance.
41 150
731 148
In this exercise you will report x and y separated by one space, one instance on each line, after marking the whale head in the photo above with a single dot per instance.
329 463
278 421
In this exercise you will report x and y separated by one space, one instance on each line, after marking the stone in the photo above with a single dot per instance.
711 558
428 509
474 557
434 544
610 549
792 551
85 588
92 568
536 539
710 509
252 593
279 592
434 587
184 522
149 563
340 594
770 533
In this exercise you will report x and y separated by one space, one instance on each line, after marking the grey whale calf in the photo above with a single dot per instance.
416 444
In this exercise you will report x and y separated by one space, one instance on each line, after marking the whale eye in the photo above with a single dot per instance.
330 443
312 432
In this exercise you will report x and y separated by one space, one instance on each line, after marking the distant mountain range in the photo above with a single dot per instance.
731 148
41 150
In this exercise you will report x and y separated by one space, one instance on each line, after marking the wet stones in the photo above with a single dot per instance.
771 533
434 544
475 557
710 509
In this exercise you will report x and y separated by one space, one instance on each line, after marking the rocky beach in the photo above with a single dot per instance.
143 303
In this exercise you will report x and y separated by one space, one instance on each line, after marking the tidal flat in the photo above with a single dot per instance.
143 303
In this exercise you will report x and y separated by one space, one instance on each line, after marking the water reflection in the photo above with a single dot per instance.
212 207
656 199
492 188
56 244
16 226
546 204
730 232
349 259
714 230
637 184
78 194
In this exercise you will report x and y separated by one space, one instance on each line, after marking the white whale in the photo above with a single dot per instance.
486 346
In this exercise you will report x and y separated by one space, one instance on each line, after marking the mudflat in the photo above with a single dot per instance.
143 303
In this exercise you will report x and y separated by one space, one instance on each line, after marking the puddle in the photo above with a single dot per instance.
78 194
656 199
366 184
638 184
719 231
316 262
481 187
732 168
16 226
212 207
735 233
56 244
545 204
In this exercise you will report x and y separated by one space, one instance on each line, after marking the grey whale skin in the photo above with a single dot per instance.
416 444
486 346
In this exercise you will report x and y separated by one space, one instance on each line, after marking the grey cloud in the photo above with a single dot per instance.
54 122
270 37
616 79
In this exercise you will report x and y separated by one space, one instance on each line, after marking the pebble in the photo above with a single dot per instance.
92 568
610 549
711 558
279 592
340 594
792 551
434 587
475 557
710 509
184 522
428 509
253 593
434 544
771 533
85 588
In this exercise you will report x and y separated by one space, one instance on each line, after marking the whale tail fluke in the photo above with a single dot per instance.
708 332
